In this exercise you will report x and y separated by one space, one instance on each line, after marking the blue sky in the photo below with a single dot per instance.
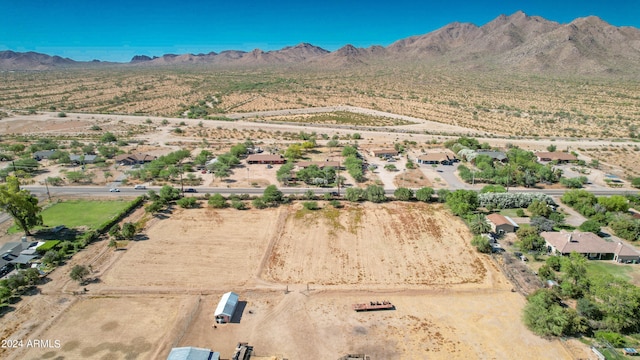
115 30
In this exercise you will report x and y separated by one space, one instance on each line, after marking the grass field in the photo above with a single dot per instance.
627 272
79 213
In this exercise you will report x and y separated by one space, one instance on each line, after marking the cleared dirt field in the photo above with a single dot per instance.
113 328
297 274
382 245
199 249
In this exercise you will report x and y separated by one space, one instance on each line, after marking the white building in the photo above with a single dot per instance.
226 307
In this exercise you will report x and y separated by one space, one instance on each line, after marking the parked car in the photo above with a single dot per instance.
114 190
190 190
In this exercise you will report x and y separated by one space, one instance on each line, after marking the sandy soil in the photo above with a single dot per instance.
297 273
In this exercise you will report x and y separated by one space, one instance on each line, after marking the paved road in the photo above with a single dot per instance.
89 191
130 191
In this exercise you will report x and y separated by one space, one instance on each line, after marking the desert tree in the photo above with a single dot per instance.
79 273
20 204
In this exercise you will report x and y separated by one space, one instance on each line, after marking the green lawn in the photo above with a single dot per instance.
510 212
627 272
79 213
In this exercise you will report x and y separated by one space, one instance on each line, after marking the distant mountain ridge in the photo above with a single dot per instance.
516 42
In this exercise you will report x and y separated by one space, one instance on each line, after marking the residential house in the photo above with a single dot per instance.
384 152
437 158
495 155
501 224
82 159
134 159
265 159
19 252
43 154
558 156
590 245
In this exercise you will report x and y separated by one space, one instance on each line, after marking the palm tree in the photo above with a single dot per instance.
478 224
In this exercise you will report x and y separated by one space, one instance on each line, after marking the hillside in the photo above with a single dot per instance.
517 42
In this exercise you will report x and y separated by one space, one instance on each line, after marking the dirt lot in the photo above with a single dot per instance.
297 274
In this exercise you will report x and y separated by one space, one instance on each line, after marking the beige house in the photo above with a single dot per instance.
436 158
384 152
561 157
590 245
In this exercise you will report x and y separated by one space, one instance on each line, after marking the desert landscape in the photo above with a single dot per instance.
297 274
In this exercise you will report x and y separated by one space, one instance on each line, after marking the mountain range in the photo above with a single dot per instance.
517 42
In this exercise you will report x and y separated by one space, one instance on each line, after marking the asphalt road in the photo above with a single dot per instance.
41 191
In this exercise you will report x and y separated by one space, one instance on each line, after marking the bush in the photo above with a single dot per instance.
520 213
481 243
336 204
354 194
403 194
590 226
238 205
217 201
554 262
546 273
375 194
187 202
310 205
615 339
62 114
425 194
259 203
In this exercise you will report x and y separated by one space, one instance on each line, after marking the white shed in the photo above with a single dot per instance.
226 307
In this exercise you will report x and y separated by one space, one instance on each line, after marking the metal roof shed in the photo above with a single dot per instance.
226 307
192 353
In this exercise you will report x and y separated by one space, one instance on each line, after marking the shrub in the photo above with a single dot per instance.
187 202
403 194
217 201
613 338
336 204
62 114
590 226
259 203
481 243
238 205
425 194
310 205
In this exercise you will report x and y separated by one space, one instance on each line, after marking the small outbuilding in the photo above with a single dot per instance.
192 353
226 307
501 224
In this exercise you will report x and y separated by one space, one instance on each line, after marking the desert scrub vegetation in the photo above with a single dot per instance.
341 118
512 104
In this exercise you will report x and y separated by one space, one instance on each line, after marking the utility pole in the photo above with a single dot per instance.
46 184
338 178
